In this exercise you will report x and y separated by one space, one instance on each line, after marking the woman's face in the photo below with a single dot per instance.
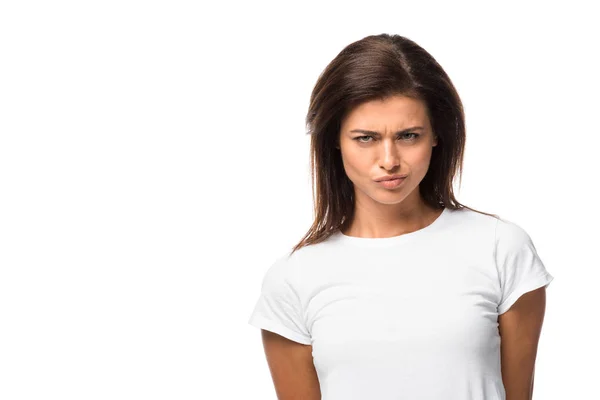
400 141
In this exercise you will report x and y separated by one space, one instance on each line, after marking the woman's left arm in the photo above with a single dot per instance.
520 328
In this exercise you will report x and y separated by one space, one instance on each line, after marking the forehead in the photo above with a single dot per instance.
393 112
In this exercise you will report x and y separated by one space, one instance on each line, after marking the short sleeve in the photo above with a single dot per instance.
520 268
278 308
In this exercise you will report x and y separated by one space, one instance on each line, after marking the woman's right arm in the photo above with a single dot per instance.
292 368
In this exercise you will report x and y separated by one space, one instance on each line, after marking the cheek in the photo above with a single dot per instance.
425 159
418 159
356 165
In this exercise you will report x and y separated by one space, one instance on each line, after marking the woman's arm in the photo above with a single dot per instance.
520 328
292 368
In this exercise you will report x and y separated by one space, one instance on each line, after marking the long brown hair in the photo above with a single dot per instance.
376 67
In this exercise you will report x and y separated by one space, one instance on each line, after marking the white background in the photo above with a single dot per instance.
154 162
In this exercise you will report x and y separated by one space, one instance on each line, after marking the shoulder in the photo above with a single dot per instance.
472 223
510 235
281 268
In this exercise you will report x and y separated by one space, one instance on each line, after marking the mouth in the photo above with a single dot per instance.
390 178
391 183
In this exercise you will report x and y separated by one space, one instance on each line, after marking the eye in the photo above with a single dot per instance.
415 135
359 138
362 137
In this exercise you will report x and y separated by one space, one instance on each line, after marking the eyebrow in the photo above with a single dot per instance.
414 128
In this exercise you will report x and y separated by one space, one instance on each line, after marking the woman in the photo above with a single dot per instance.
398 291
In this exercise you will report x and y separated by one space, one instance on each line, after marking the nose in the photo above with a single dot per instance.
389 157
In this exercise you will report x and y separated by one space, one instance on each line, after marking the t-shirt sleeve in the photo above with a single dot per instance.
278 308
520 268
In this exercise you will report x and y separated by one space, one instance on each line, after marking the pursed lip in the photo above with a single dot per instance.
389 178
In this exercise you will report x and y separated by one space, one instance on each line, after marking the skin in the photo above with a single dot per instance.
292 368
520 328
382 212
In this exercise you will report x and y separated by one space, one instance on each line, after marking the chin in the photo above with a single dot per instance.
389 198
390 202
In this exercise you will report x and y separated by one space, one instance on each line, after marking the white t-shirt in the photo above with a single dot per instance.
410 317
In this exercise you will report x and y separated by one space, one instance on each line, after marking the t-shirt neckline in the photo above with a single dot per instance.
394 240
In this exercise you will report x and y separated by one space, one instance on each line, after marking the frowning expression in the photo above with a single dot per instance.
386 137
